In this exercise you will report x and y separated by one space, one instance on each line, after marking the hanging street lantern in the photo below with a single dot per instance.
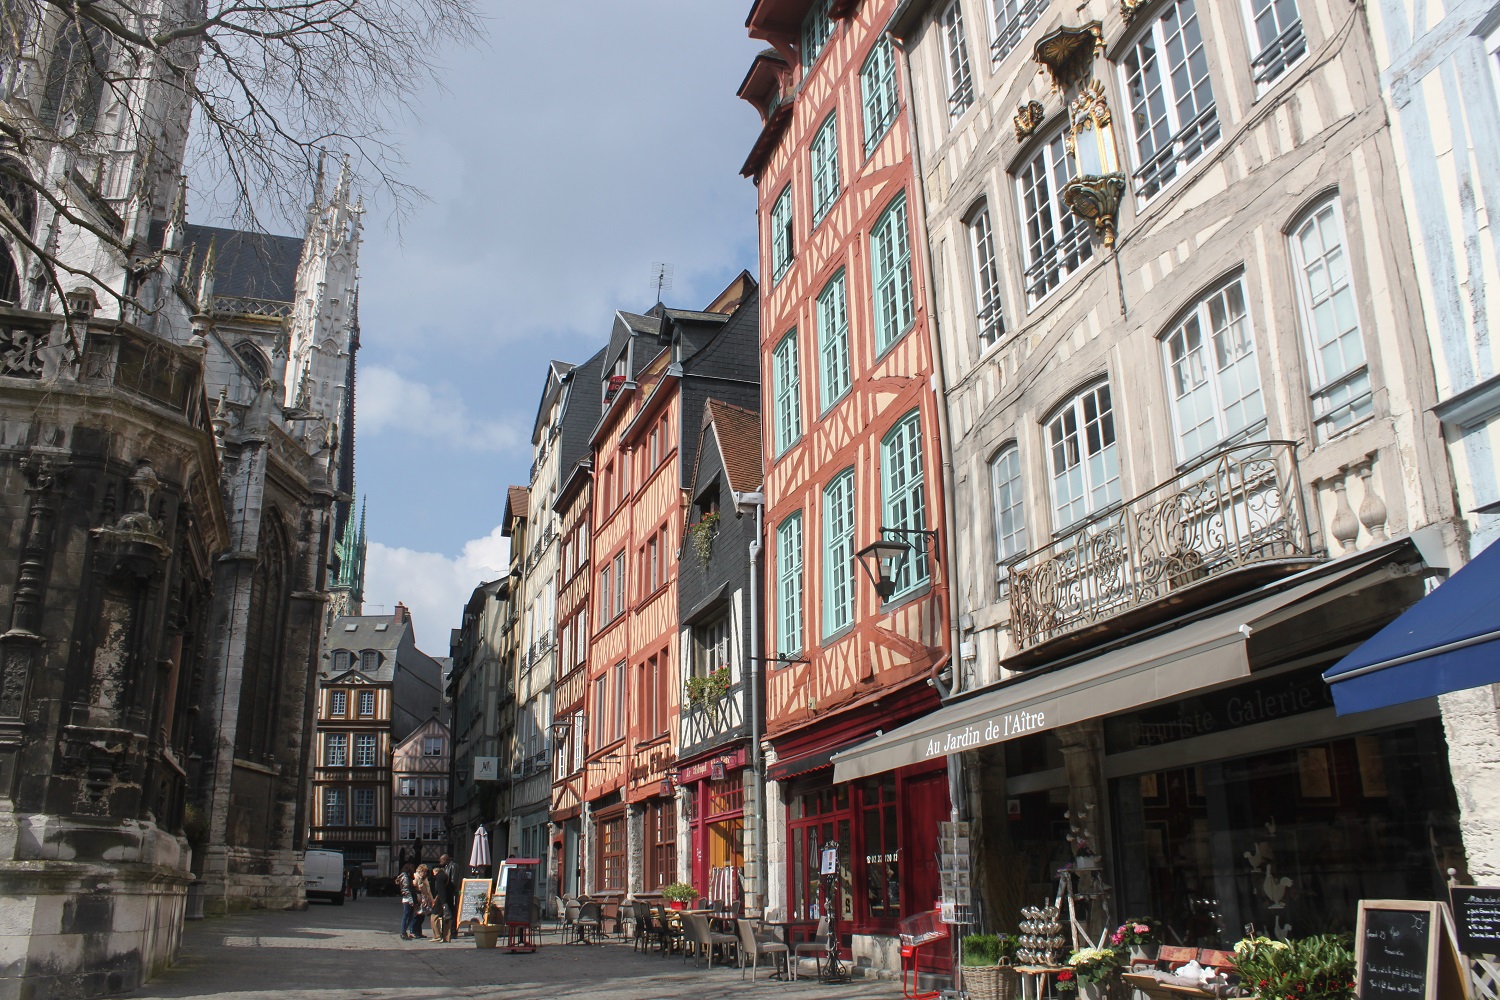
882 561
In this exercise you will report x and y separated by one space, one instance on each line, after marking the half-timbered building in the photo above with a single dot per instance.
852 456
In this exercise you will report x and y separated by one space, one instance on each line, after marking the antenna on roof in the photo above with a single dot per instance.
661 278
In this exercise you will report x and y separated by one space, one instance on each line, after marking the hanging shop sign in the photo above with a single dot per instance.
486 768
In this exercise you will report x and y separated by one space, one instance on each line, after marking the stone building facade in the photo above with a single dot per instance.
199 439
481 696
1194 460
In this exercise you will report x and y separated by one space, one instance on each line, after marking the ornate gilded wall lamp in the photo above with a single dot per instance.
1098 184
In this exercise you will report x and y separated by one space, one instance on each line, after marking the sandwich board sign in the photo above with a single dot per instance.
1406 949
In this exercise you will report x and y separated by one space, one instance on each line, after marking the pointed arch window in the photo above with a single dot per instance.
260 679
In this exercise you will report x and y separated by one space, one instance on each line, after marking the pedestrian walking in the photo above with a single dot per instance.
442 906
406 884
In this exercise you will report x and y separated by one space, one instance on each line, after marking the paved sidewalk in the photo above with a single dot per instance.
351 952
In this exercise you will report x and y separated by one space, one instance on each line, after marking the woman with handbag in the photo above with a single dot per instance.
407 886
424 899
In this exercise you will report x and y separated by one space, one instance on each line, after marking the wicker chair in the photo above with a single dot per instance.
752 948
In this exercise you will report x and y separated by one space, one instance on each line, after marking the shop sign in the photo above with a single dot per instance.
997 729
704 768
486 768
1218 711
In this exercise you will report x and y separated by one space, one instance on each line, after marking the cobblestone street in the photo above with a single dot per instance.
353 951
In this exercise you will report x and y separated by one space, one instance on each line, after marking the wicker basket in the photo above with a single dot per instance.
989 982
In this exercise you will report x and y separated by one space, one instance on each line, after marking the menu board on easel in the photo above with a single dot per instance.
520 889
1406 949
471 898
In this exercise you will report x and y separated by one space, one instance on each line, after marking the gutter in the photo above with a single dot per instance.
757 664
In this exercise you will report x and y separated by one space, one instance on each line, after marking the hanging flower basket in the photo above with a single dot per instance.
701 535
708 689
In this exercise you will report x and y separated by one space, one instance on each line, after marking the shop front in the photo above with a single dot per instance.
713 793
884 830
1201 776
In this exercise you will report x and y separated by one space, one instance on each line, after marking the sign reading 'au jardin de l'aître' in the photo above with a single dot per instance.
997 729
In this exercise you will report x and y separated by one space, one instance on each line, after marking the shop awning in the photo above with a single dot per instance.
1197 655
1447 641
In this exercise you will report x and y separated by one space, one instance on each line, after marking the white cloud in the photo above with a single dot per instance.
390 402
434 586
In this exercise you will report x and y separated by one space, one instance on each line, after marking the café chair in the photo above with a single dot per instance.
752 948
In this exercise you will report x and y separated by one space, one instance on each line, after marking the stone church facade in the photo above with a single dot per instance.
176 459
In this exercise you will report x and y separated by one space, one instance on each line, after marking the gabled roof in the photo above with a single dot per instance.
581 411
556 373
517 500
251 265
737 432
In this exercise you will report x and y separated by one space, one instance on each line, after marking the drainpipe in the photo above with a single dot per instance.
756 665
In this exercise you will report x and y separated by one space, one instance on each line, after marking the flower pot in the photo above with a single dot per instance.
1142 953
485 935
676 904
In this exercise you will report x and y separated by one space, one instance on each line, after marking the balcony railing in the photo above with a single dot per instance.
1233 510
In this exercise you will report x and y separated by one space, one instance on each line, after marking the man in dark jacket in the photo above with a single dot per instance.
442 901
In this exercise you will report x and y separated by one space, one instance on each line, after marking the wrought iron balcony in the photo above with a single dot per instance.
1227 522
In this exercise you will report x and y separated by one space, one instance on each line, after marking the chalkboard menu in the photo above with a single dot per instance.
520 889
1476 918
471 899
1405 949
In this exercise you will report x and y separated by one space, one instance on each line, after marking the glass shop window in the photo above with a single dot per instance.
880 853
1295 836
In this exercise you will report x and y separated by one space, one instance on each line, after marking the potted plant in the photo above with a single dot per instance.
701 535
1320 967
1140 935
709 688
986 966
1093 966
485 933
679 894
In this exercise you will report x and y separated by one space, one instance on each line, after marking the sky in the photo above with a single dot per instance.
579 145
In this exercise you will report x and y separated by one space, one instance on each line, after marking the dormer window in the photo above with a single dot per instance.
342 660
369 660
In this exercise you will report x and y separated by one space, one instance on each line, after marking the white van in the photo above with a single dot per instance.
323 875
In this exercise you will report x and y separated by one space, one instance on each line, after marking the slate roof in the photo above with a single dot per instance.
581 412
738 433
252 265
357 634
517 502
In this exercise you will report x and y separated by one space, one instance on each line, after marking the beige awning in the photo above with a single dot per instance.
1197 655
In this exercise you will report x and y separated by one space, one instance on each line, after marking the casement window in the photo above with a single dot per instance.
877 83
364 807
581 646
653 450
433 788
956 49
1009 21
431 827
406 827
604 606
342 661
619 700
711 647
904 496
989 316
408 788
890 275
602 714
1084 458
787 392
619 608
1172 117
838 553
1330 317
609 873
781 234
1008 496
369 661
653 565
367 703
789 586
1212 373
583 544
661 840
334 813
833 341
336 750
653 696
364 750
432 746
1276 33
824 154
817 29
580 719
338 703
1057 241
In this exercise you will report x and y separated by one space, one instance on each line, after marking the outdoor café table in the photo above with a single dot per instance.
1034 979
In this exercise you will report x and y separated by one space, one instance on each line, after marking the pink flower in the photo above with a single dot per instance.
1142 929
1117 937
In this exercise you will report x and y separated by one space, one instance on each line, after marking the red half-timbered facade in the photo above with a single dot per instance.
852 451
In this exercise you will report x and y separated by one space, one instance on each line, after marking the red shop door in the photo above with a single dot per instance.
925 805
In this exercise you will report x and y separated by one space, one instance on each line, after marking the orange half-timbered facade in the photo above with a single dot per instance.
852 455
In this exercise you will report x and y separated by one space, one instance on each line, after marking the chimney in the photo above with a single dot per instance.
401 613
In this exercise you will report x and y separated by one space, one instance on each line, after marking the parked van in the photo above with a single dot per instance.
323 875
